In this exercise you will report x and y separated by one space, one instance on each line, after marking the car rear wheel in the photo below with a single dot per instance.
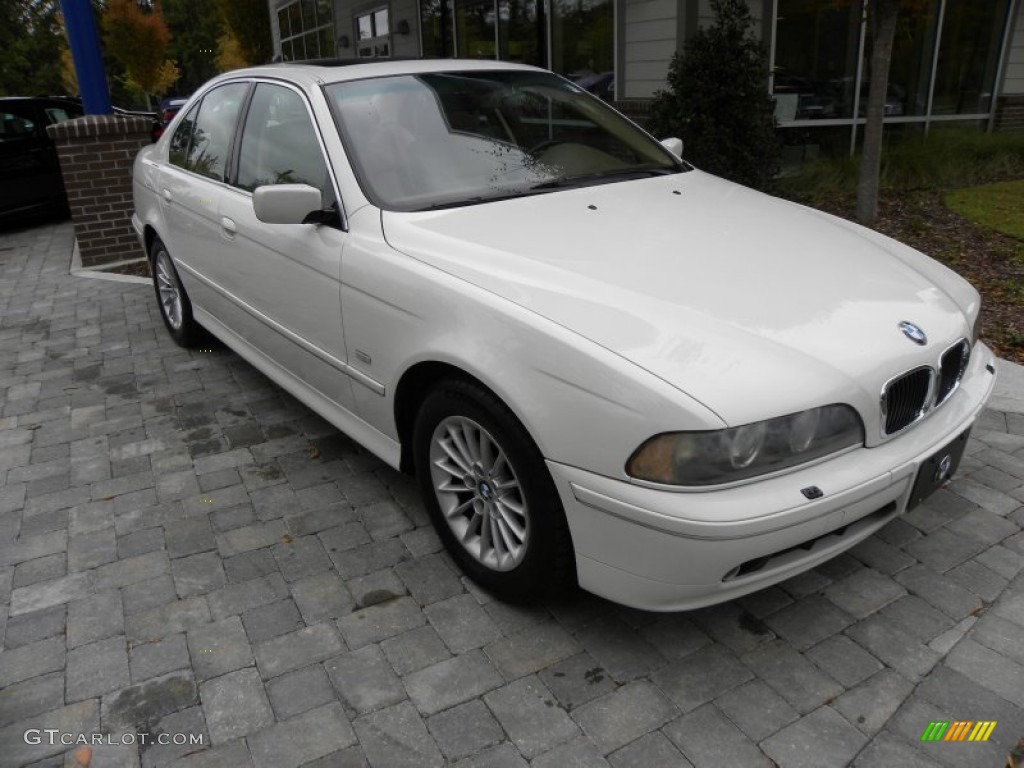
175 307
490 494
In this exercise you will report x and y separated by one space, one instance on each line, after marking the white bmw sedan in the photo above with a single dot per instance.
602 364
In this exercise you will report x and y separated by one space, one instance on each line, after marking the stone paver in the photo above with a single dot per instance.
175 557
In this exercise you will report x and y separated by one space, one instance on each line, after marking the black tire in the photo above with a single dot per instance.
502 522
177 317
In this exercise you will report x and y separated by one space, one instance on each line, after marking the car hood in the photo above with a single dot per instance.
752 305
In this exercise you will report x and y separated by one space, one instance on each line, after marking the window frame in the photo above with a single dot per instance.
376 39
232 141
298 36
232 179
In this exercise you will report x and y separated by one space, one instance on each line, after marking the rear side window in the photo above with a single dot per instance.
16 126
178 151
62 113
206 149
279 144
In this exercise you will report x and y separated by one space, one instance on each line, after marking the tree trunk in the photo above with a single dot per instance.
884 13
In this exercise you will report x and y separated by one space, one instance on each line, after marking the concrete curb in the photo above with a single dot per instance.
79 271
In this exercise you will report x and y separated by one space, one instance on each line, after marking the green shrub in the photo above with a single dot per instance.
717 100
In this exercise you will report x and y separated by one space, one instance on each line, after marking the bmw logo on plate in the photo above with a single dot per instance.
913 333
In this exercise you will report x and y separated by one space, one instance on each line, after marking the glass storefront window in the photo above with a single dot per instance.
307 30
582 32
816 46
800 145
372 29
435 28
475 32
582 37
909 71
309 14
520 35
969 51
365 26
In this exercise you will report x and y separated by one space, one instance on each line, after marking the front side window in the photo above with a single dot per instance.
279 144
208 149
457 138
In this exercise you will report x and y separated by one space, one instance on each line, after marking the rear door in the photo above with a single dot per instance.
191 186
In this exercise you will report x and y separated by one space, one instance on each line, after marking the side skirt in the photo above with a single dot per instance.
379 444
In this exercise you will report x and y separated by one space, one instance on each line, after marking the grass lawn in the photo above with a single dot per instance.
997 206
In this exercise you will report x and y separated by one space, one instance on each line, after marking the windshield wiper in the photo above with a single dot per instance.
620 174
478 200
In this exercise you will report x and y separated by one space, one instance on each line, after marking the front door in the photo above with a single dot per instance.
286 277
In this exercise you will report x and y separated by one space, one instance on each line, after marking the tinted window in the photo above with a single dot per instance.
214 126
279 144
14 127
58 114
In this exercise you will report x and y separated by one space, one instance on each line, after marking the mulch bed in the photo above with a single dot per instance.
139 268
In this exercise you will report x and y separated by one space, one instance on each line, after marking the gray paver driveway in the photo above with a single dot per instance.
187 553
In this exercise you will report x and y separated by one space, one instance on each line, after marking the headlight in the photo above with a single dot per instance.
728 455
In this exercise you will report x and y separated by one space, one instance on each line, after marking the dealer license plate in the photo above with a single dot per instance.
934 473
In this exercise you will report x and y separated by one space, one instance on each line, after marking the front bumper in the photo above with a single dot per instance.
674 550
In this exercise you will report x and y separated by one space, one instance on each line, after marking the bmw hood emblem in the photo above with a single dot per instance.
913 333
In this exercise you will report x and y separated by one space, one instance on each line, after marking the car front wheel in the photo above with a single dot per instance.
175 307
489 493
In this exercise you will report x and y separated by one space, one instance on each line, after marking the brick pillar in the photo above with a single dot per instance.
96 154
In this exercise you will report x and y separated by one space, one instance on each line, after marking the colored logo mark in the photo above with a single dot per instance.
958 730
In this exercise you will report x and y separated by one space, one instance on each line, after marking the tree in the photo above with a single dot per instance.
139 40
30 42
229 53
249 23
718 101
195 30
882 15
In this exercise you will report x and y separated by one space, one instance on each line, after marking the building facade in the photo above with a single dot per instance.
954 61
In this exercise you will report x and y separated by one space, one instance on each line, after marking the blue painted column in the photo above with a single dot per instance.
80 23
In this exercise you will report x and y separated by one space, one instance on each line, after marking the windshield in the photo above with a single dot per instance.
457 138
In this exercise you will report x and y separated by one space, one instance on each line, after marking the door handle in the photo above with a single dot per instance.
168 197
228 226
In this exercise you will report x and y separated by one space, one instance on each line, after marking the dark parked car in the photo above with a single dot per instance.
169 107
29 167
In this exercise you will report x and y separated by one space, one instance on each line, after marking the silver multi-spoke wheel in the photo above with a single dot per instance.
167 286
479 494
175 307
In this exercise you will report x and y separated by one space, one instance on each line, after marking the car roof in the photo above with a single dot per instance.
323 71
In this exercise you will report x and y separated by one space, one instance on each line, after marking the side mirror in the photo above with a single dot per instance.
285 203
675 146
